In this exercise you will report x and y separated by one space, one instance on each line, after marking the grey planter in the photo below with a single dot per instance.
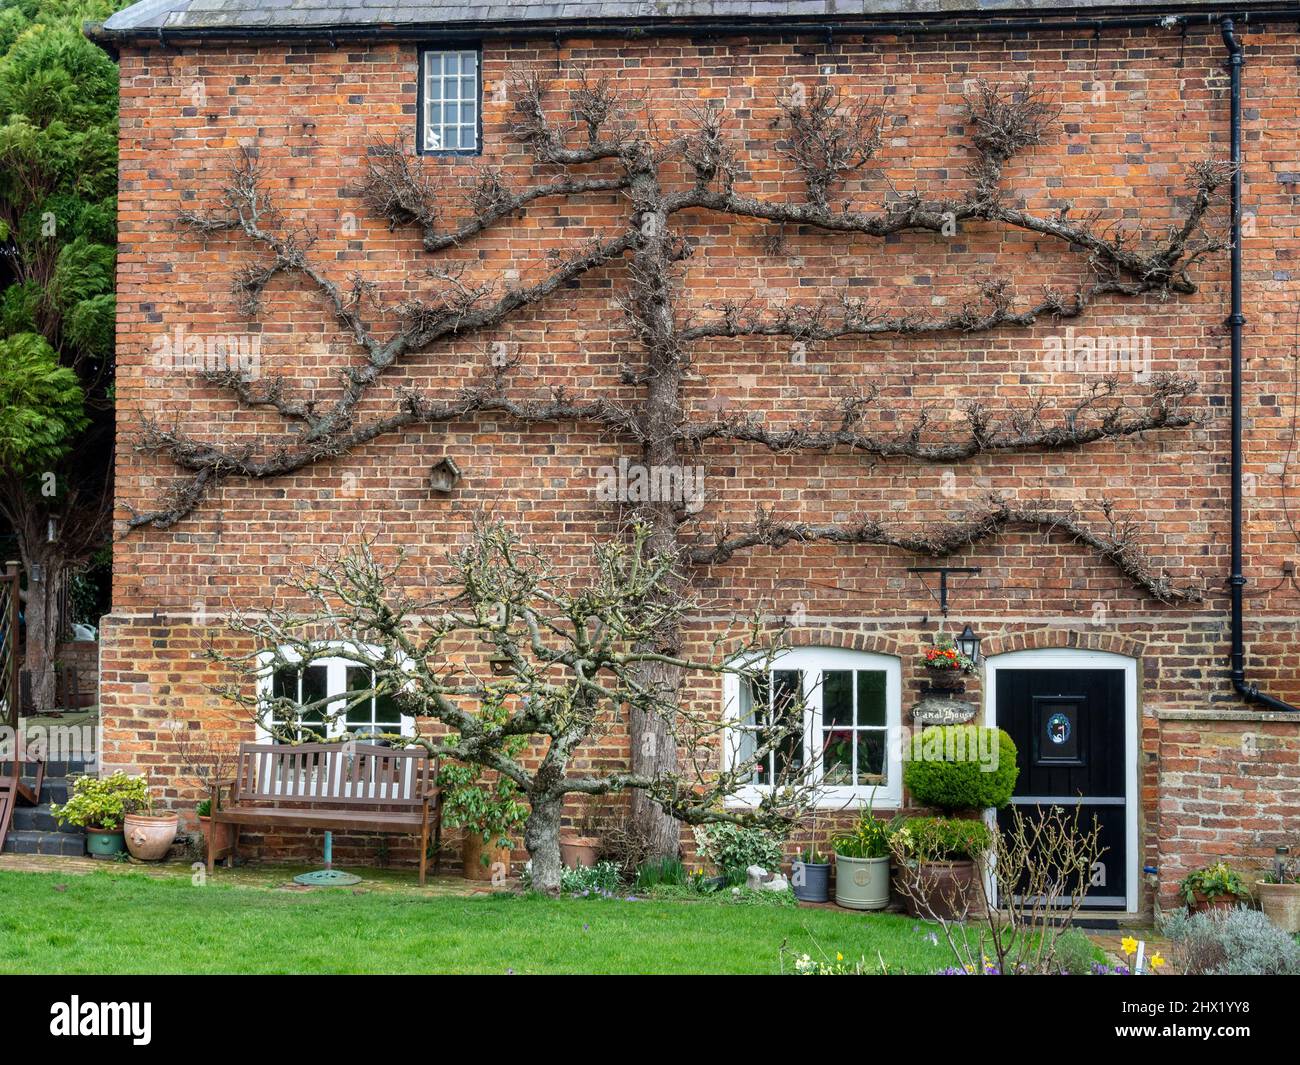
861 883
815 883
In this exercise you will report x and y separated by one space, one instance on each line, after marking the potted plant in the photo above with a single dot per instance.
580 846
811 876
487 812
862 864
224 832
942 855
961 769
945 664
149 835
1215 887
207 759
100 805
1279 895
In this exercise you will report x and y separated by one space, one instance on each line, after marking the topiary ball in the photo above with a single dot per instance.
961 767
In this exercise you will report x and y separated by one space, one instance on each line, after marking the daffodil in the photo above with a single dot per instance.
1128 945
1157 960
839 956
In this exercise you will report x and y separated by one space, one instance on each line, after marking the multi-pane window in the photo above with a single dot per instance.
450 94
838 709
325 679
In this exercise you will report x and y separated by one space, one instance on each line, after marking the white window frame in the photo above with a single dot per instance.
812 662
431 138
336 668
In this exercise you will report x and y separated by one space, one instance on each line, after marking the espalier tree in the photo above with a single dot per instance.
591 142
58 184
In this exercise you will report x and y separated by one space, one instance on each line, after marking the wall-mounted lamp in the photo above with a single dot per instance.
968 643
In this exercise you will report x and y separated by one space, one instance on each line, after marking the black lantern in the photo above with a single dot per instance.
969 645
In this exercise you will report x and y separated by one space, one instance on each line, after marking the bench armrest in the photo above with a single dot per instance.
215 788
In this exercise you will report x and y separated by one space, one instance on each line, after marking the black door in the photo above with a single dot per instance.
1068 726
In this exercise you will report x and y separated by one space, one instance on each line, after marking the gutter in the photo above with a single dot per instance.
1163 16
1236 321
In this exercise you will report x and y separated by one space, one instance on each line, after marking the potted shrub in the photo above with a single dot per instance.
945 665
961 768
487 812
1216 887
943 855
811 876
149 836
1279 895
862 864
100 805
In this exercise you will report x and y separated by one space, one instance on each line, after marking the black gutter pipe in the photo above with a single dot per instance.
1170 17
1236 320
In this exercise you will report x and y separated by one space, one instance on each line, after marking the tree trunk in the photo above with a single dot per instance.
542 840
654 751
45 572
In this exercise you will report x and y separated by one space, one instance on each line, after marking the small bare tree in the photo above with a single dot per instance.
567 658
1028 886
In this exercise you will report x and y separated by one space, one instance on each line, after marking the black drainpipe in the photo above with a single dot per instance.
1237 580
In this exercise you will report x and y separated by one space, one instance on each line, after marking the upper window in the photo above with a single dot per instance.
846 738
374 715
450 93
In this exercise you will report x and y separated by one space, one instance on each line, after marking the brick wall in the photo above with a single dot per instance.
1136 107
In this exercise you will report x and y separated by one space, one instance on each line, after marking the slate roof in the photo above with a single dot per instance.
198 18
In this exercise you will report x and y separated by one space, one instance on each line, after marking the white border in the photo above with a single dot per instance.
811 659
1071 658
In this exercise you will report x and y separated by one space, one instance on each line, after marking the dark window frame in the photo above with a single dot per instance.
421 90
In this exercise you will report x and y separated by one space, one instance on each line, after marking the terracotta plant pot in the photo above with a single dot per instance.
1201 904
148 837
225 835
1281 904
949 891
105 842
471 856
578 850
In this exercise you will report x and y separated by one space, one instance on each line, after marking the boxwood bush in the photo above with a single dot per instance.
961 767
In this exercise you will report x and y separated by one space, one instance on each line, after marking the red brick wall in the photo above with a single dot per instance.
1135 109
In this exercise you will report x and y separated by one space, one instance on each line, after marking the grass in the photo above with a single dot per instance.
122 922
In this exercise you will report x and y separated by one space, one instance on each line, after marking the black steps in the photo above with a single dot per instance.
34 829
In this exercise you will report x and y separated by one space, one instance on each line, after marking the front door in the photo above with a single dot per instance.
1069 729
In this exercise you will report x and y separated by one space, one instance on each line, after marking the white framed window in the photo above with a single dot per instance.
450 94
320 679
849 739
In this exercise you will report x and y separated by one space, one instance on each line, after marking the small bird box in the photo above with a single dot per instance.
443 476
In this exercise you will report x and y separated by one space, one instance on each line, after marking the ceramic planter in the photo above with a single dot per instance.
149 837
811 881
471 856
105 842
947 889
578 850
861 883
1281 904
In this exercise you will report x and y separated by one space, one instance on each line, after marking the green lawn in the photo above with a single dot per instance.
123 922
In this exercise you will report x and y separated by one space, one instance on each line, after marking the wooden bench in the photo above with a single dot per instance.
329 786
